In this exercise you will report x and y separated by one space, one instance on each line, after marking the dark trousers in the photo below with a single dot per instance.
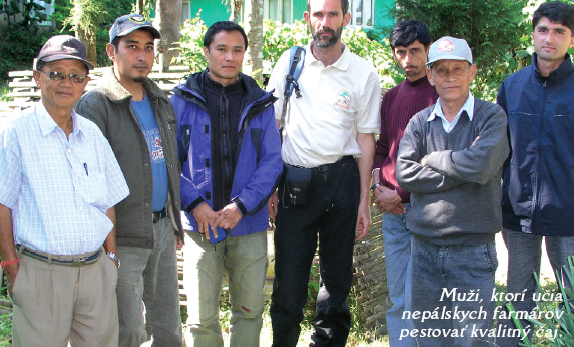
331 213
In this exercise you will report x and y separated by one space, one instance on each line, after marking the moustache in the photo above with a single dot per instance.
325 30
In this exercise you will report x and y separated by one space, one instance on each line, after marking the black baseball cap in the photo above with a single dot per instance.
63 47
130 22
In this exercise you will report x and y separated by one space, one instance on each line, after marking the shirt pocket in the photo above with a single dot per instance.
95 190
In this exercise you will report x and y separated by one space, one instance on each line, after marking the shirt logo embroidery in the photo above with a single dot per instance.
445 45
343 99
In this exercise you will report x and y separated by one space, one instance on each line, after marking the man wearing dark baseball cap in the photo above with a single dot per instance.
450 159
137 118
59 182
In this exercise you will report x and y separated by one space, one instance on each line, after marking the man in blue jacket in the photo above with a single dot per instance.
230 152
538 183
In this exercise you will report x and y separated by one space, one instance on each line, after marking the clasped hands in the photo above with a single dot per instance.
206 217
388 200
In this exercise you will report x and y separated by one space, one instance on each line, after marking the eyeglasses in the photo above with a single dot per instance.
59 76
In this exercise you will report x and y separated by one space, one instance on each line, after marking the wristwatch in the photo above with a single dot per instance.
375 186
114 257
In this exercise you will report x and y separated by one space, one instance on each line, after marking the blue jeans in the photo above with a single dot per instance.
243 259
149 276
397 241
524 253
468 269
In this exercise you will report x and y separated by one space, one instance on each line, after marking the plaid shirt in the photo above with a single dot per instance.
58 189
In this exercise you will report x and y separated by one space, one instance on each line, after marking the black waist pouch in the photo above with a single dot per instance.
296 186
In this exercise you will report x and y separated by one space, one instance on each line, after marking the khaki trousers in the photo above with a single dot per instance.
55 304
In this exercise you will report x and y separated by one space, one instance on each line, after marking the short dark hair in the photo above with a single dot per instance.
344 6
408 31
40 65
556 12
221 26
116 43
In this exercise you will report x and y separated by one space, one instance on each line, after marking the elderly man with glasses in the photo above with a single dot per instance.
59 183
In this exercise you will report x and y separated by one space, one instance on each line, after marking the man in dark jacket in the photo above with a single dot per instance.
136 117
538 181
230 152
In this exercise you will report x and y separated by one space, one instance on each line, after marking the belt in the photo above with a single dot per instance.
331 166
156 216
63 260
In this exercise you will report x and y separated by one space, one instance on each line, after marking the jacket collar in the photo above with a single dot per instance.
195 85
112 88
563 70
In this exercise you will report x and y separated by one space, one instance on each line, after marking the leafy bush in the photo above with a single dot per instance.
191 45
562 325
18 48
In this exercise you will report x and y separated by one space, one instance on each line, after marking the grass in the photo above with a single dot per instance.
358 337
5 324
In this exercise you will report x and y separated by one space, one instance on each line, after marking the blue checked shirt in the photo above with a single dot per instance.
58 189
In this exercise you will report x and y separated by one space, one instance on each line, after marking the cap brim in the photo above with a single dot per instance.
64 56
154 32
447 57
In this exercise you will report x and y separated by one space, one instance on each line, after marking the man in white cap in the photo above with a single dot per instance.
450 159
136 117
59 182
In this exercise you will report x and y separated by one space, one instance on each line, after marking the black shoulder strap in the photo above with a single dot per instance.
297 62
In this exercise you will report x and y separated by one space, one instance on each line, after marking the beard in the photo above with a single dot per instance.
139 79
335 36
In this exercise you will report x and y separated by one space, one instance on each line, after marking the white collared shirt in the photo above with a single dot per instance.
58 188
448 126
338 101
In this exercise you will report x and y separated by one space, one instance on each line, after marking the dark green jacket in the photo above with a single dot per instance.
108 105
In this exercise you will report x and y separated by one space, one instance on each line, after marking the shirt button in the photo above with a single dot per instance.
81 208
147 204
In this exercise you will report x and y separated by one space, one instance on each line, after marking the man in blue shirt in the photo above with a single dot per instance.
137 118
59 182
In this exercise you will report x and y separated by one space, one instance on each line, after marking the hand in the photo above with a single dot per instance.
178 243
363 220
205 217
11 272
388 200
229 216
272 205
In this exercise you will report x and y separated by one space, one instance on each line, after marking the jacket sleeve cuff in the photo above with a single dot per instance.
194 204
240 205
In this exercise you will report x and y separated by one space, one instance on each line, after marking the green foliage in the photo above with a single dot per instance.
563 326
64 18
18 48
32 13
278 37
191 45
6 330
